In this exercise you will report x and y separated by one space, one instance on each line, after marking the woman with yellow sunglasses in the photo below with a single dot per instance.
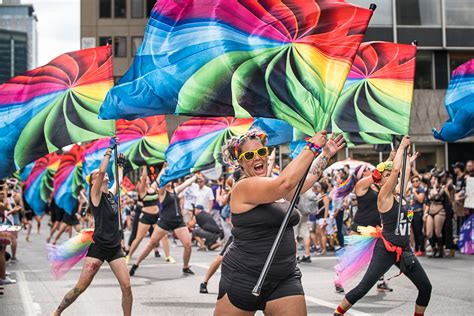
258 204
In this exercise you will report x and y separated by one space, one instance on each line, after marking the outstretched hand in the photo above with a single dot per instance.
414 157
334 144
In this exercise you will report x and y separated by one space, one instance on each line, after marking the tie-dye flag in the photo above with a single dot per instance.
39 184
68 179
196 144
459 101
376 100
53 106
284 59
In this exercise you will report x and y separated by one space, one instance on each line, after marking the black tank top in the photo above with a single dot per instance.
170 209
389 224
367 212
254 233
106 232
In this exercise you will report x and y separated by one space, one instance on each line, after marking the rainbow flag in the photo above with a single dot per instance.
376 101
284 59
459 101
68 179
40 182
53 106
196 145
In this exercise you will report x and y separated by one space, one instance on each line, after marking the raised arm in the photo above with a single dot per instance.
271 162
180 188
120 164
384 202
96 187
333 145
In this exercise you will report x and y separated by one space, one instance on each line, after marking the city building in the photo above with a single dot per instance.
17 20
13 54
444 30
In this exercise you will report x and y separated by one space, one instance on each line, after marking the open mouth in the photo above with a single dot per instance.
259 167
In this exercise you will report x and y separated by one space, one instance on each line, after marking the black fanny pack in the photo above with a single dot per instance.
407 261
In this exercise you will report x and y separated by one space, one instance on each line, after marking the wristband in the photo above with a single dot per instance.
376 176
108 155
315 149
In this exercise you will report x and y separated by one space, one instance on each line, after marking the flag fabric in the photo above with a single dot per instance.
459 101
284 59
196 145
68 179
278 131
53 106
40 182
376 100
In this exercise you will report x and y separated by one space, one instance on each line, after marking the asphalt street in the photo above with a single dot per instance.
159 288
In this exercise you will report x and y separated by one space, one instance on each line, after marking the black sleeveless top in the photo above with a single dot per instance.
254 233
106 232
150 199
367 213
389 224
170 209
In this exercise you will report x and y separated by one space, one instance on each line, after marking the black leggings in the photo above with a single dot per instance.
381 262
339 223
417 225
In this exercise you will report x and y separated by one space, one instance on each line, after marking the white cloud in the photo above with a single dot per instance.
58 27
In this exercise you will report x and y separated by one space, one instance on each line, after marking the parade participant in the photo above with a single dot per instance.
417 205
148 195
321 188
5 236
435 214
258 208
106 237
56 215
68 222
393 245
170 220
207 229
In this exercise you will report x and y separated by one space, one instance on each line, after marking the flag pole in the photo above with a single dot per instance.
402 193
258 287
117 187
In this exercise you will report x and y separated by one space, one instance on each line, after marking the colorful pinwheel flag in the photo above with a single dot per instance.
459 101
196 145
39 184
53 106
284 59
68 179
278 131
376 101
142 141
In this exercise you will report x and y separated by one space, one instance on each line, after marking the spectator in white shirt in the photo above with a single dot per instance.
204 195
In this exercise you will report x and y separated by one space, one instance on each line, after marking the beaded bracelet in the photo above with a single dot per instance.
315 149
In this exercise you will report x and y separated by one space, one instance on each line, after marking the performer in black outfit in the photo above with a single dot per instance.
107 240
392 248
170 219
258 205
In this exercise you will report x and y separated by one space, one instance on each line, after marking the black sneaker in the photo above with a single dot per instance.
157 254
188 271
383 287
133 269
203 288
339 289
306 259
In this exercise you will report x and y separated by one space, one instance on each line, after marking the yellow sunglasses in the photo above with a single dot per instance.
250 155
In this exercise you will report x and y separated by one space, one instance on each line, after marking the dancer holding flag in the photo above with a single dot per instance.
393 244
258 207
106 237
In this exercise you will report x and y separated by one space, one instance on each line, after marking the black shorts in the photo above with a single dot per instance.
227 244
105 254
170 225
70 220
238 286
29 215
148 219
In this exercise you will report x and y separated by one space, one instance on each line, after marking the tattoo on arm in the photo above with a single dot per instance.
319 165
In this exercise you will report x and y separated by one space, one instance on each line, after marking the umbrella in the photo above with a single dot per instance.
351 162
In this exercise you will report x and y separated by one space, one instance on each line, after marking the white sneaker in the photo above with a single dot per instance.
7 280
7 273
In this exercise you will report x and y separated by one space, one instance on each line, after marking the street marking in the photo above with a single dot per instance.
324 303
31 308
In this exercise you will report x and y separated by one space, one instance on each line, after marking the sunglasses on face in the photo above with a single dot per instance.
250 155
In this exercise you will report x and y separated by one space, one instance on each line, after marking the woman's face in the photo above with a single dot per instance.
105 183
256 167
434 181
339 180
